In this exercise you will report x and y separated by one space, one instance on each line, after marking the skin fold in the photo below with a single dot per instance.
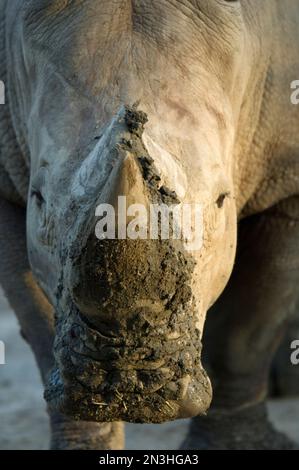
162 102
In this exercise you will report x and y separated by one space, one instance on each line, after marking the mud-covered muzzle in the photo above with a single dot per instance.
150 378
127 333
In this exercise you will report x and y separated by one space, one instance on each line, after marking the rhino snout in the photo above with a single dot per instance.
146 374
128 347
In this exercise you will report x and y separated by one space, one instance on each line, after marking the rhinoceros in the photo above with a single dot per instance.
169 103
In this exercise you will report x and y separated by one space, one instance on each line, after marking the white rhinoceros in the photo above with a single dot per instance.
214 127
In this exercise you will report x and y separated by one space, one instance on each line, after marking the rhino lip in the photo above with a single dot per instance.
101 377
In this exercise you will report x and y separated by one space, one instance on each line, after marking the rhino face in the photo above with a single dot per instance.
129 312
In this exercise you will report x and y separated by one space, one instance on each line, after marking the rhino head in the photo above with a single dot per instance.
129 311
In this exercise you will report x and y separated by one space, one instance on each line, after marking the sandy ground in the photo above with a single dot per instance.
23 420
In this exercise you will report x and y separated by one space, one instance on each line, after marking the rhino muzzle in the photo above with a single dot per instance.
137 357
153 378
129 347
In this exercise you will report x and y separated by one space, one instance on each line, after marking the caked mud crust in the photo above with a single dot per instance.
139 360
142 378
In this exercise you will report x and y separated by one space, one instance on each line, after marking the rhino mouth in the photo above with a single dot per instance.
150 379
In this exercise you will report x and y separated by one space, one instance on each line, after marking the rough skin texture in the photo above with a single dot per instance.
13 171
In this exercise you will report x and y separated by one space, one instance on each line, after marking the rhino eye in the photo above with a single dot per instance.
38 186
221 199
37 195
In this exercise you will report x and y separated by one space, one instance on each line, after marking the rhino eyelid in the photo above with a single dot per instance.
221 198
36 194
38 182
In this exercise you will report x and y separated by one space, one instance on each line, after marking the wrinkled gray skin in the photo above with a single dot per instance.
215 126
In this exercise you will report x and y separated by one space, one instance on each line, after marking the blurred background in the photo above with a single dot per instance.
23 419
